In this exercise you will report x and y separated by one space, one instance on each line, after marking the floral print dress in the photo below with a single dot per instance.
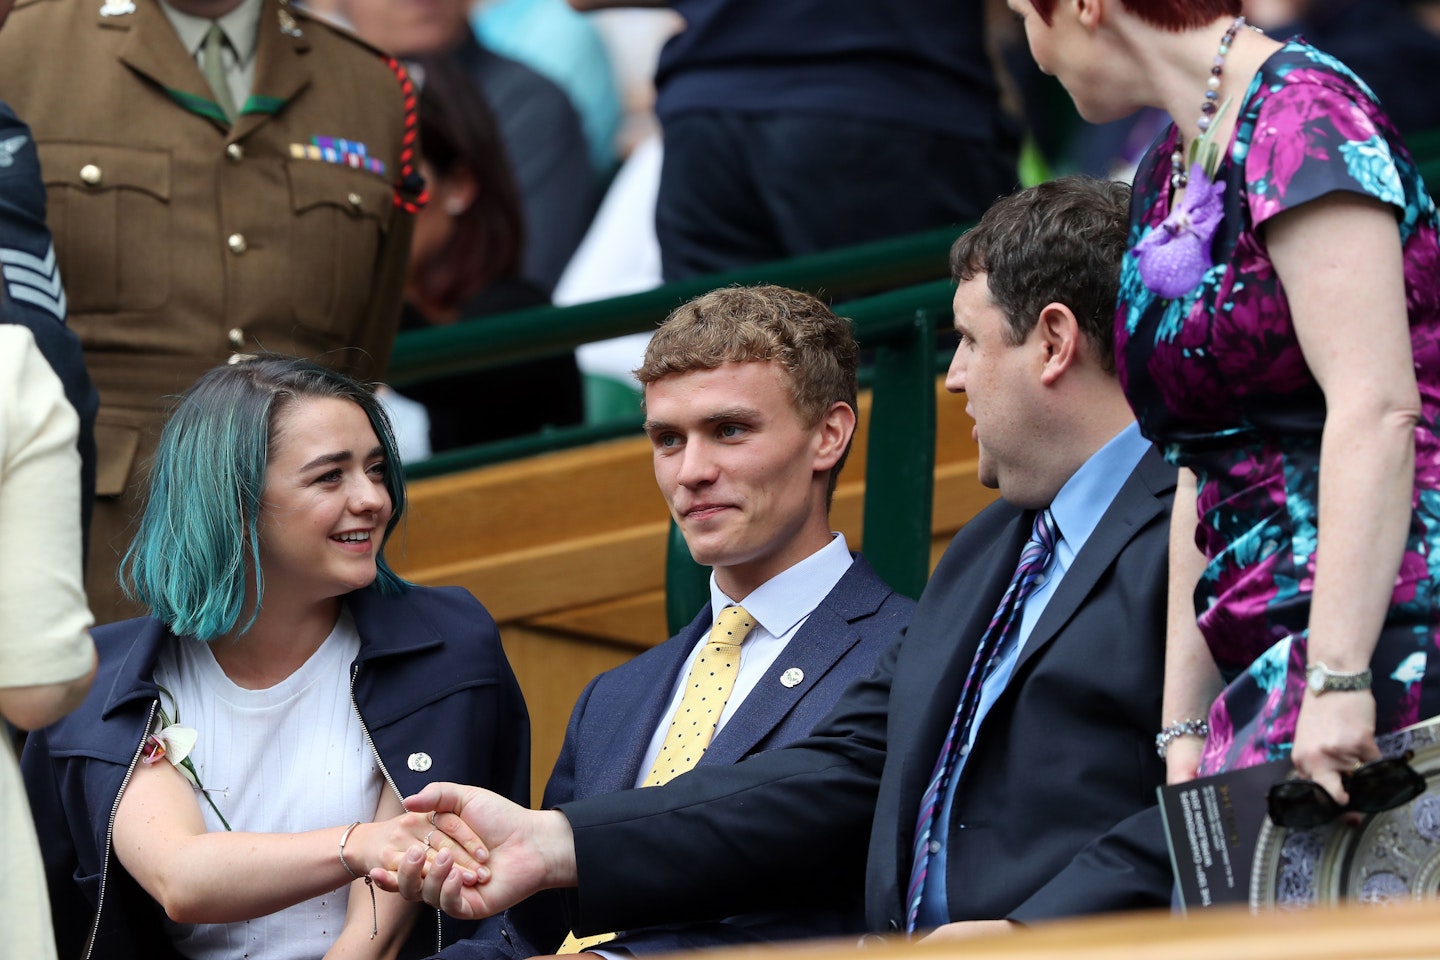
1217 379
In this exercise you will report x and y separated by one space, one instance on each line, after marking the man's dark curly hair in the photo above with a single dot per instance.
1058 242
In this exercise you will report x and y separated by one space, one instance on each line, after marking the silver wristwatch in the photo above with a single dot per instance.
1321 679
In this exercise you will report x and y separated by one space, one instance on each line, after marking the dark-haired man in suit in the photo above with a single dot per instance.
750 400
1002 757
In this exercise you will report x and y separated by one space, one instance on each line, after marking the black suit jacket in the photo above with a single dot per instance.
1054 816
616 716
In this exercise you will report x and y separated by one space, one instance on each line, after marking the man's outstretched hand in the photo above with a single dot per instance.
520 852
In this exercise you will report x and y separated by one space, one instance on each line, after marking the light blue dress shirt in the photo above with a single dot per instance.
1076 510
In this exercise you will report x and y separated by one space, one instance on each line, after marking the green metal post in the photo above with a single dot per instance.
900 473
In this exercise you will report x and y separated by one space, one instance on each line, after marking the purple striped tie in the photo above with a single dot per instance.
1006 622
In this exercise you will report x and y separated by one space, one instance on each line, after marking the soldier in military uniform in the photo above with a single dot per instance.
223 176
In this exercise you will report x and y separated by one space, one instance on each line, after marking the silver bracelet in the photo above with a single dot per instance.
374 911
1183 728
344 837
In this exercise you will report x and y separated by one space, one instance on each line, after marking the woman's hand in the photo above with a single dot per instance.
1334 734
384 843
1182 759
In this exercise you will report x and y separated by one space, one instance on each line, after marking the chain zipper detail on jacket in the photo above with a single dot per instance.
390 781
110 830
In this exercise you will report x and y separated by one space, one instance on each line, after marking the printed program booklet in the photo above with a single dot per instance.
1224 850
1212 825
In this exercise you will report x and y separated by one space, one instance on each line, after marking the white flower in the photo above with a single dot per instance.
174 743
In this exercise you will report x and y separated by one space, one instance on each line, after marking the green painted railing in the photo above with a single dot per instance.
525 334
898 328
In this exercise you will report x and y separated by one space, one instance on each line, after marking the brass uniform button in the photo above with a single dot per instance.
237 337
355 200
235 152
237 243
91 174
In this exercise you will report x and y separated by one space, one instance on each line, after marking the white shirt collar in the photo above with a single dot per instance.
791 595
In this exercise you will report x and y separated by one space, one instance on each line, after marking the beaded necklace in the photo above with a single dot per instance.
1178 177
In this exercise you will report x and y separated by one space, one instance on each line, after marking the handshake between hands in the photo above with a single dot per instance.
519 851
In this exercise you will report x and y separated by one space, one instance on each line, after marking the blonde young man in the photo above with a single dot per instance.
750 408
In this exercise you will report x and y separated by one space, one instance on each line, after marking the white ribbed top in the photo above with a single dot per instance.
285 759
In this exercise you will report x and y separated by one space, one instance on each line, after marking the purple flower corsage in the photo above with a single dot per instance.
1175 256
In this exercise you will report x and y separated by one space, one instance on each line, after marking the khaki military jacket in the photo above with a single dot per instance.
183 239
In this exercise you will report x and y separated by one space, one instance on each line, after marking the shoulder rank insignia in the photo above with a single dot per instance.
9 147
34 281
116 8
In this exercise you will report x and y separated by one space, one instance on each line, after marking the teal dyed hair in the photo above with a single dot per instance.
199 538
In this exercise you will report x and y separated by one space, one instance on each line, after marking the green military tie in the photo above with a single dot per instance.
212 64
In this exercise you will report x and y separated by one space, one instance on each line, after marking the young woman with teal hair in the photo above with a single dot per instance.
298 687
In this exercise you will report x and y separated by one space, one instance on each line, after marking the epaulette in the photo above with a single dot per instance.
337 28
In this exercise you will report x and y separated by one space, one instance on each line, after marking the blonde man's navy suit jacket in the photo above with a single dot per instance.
615 717
1054 814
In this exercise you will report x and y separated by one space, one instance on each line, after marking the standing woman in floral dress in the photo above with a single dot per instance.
1277 338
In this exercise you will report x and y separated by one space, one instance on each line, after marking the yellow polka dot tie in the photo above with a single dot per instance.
707 689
